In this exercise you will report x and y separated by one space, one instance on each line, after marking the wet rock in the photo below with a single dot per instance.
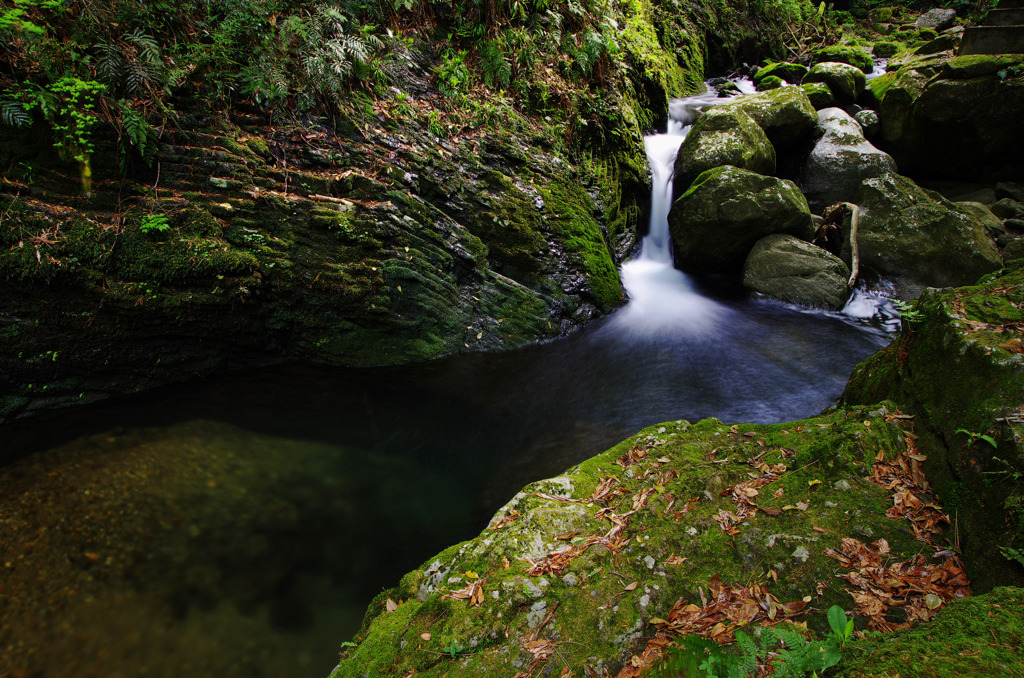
716 222
723 136
962 101
919 238
993 225
789 269
869 121
840 160
785 114
845 81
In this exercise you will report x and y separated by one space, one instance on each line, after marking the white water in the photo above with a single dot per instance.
662 298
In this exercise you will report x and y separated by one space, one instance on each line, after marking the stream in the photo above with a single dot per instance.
239 526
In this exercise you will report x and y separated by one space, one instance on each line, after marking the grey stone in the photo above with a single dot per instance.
869 121
790 269
840 160
937 19
921 239
785 114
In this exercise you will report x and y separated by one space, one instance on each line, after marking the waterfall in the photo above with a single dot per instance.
662 300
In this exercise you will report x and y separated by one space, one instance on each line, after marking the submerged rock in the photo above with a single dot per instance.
716 222
845 81
785 114
723 136
840 160
789 269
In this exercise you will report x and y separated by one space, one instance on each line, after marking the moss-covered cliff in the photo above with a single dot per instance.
217 184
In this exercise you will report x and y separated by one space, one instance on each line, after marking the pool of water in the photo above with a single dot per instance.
240 525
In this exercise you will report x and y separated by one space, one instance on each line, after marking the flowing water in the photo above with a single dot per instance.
240 525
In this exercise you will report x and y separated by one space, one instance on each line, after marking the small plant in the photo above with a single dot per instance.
975 437
842 628
154 222
453 649
907 312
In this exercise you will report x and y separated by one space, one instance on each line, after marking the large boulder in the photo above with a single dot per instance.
841 159
845 81
845 54
938 19
785 114
716 222
793 270
958 368
577 574
955 117
921 239
723 136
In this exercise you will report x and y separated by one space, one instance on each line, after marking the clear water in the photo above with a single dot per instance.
240 525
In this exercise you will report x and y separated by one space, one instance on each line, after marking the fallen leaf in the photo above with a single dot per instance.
391 605
425 636
632 586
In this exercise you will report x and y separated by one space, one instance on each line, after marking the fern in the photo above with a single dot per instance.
140 134
336 49
13 113
131 65
497 70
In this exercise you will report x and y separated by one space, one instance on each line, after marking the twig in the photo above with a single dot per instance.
855 256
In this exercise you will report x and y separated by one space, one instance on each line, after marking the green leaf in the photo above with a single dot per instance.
837 620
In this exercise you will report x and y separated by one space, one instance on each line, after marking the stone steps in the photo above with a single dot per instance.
1003 32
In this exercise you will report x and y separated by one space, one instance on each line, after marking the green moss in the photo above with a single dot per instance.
844 54
597 607
979 636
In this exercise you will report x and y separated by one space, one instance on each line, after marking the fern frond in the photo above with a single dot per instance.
14 114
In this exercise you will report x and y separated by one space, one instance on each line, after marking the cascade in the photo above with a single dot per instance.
662 299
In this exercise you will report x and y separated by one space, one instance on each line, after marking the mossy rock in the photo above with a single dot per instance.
722 136
920 239
819 94
785 114
601 604
845 81
885 49
783 70
726 210
793 270
770 82
970 638
961 372
844 54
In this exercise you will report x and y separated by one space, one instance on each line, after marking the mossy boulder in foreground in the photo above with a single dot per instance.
580 571
960 366
980 636
726 210
723 137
